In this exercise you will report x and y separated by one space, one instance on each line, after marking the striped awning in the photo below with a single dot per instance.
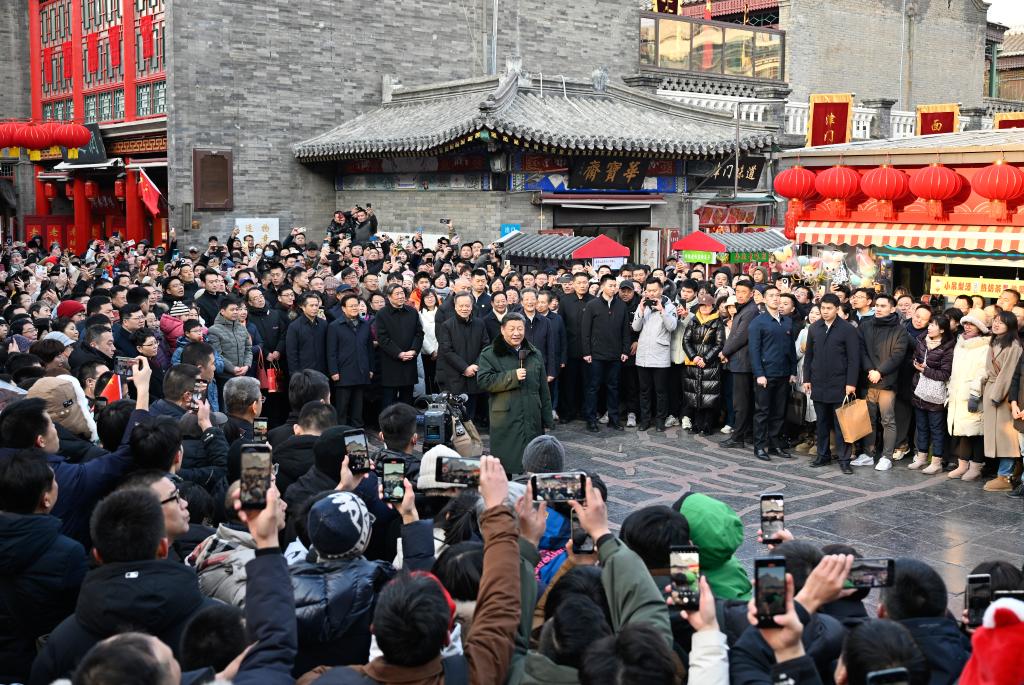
921 236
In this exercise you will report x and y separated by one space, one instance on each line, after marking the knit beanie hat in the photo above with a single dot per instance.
543 454
996 646
69 308
179 310
339 526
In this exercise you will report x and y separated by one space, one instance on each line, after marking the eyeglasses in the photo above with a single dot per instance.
174 497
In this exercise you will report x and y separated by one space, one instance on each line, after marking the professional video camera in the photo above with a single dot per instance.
444 422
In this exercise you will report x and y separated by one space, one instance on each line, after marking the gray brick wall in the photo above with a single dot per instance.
15 90
854 45
258 77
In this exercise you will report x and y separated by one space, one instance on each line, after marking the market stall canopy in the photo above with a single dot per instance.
760 241
980 238
563 248
530 111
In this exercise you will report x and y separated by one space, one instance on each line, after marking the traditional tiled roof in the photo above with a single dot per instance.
720 8
534 111
1013 42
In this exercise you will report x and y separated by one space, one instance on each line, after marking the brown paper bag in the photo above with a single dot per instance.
854 420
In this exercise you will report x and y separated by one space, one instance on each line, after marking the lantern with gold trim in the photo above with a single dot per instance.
936 184
999 183
886 185
797 185
839 184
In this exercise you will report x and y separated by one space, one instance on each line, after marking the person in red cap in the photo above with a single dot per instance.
71 309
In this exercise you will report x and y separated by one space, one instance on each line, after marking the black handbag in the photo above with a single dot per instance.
796 408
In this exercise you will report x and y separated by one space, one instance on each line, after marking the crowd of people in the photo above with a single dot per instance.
133 376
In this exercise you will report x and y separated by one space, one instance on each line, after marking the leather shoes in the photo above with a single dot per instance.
592 428
660 427
762 455
820 461
733 443
780 452
845 467
564 420
644 426
615 426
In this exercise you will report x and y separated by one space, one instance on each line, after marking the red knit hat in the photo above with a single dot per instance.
69 308
997 646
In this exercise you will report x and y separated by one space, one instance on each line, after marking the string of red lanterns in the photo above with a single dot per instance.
38 136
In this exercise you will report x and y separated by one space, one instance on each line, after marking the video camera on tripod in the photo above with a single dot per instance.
444 422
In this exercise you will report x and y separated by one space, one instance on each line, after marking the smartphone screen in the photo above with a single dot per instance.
582 543
770 589
256 476
260 426
684 563
870 573
458 470
560 487
125 365
393 480
978 597
198 391
358 451
772 518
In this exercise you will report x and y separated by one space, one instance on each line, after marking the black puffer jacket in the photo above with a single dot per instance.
334 603
295 458
884 349
703 337
938 363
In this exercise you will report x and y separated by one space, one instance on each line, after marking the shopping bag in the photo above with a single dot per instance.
853 419
796 408
268 374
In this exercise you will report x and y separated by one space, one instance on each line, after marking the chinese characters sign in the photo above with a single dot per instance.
934 119
262 230
698 257
1008 120
744 257
747 173
607 173
951 286
830 121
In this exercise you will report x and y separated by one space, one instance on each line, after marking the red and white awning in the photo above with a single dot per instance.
919 236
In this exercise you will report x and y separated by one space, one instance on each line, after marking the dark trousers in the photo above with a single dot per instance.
743 405
629 389
970 448
769 412
603 373
825 423
573 388
905 423
348 402
730 415
390 396
931 429
676 405
430 375
656 380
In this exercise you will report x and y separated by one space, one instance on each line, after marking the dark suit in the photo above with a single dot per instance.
576 373
831 362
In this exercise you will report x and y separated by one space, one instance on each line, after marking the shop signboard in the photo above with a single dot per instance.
746 257
951 286
698 257
510 228
611 262
262 230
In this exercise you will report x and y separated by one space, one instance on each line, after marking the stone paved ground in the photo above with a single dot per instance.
949 524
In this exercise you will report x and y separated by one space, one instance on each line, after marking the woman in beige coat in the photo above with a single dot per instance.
965 426
1002 441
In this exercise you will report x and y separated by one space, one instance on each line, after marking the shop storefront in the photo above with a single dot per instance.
933 210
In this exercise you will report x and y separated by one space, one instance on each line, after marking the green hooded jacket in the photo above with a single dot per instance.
718 531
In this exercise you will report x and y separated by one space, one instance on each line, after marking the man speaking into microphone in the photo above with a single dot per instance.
512 372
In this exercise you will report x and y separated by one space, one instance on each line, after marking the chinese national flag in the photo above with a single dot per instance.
707 10
146 33
114 36
113 391
92 43
149 193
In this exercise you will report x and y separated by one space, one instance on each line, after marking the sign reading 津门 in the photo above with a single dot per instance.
262 230
951 286
509 228
607 173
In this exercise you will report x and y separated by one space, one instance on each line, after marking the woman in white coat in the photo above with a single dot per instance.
428 310
966 427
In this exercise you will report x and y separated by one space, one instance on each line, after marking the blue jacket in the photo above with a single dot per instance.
218 367
83 485
350 352
557 327
943 645
123 342
306 344
772 348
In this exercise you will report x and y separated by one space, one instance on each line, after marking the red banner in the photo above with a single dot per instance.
830 123
92 43
936 119
146 34
114 36
65 53
1008 120
47 65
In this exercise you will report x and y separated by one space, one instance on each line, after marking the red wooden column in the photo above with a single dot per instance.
134 220
128 64
35 62
42 204
78 233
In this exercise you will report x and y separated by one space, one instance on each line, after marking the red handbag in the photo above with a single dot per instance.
269 375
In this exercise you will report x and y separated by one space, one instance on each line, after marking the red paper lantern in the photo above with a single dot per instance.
936 184
838 184
999 183
119 189
69 190
50 191
885 184
796 184
92 190
6 135
52 131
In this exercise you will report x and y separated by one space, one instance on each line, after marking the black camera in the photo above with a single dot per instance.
435 423
651 304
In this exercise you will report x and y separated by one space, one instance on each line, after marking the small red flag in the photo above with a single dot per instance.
92 43
65 52
114 36
149 193
146 31
113 391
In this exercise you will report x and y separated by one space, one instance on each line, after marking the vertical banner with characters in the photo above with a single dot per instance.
830 120
933 119
1008 120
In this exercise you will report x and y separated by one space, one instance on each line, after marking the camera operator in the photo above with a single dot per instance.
655 319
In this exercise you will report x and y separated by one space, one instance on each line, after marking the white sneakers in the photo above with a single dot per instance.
631 420
554 415
899 453
726 430
687 424
603 419
863 460
671 421
884 464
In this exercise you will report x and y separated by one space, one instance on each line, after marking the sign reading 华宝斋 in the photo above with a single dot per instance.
607 173
951 286
262 230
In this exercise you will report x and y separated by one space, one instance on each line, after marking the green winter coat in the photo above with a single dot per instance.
717 530
519 411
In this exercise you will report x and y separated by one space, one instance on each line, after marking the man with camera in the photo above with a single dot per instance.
655 319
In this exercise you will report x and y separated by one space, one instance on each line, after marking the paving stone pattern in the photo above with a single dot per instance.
949 524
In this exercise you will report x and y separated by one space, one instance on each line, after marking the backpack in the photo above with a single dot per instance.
456 672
